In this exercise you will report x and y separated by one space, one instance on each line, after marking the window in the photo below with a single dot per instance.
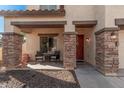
47 44
49 7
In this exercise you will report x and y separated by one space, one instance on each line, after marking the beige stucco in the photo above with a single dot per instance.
121 49
99 16
113 12
106 15
0 54
78 13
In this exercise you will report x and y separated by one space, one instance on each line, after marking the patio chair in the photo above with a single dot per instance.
55 56
39 57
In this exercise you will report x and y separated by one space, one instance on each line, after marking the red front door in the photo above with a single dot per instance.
80 48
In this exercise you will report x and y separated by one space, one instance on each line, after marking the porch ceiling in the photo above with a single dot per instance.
39 24
85 24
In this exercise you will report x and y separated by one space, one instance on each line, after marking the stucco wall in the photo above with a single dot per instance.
112 12
0 55
121 49
32 44
106 15
78 13
99 16
84 12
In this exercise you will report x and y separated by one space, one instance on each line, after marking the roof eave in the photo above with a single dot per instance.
36 13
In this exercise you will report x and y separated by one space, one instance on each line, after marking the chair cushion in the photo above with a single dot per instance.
53 56
39 57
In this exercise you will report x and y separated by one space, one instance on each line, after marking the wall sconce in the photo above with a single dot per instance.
114 38
24 39
113 35
1 36
87 39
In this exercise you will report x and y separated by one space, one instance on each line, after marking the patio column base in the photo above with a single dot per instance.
69 50
107 61
12 49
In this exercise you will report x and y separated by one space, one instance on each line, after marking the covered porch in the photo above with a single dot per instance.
42 42
41 39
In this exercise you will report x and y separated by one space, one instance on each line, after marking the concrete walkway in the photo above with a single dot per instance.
88 77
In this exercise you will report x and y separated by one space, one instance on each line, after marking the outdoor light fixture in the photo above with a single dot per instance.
0 36
114 38
87 39
24 39
113 35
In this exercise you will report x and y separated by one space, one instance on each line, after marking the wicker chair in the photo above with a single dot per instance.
39 57
55 56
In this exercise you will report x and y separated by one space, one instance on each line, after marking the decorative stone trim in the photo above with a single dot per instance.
107 60
107 29
12 49
69 50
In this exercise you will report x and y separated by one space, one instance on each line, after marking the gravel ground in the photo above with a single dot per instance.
39 79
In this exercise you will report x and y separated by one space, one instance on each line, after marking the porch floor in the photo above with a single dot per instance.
46 65
88 77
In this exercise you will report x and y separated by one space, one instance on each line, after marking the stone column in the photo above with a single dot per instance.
69 50
107 61
12 49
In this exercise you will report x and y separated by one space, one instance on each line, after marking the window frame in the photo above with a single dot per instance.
48 42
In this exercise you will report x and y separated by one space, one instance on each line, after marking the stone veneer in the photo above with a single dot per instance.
12 49
107 61
69 50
